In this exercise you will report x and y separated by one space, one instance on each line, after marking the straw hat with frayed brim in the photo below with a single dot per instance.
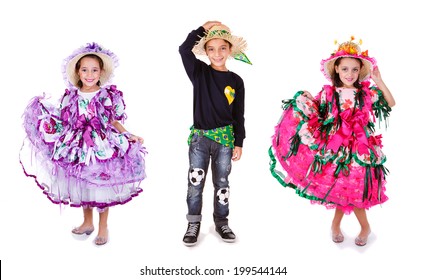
110 62
239 44
352 50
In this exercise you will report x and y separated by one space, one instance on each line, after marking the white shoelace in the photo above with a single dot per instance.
192 230
226 229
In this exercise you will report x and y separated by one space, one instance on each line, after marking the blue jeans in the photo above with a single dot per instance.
201 150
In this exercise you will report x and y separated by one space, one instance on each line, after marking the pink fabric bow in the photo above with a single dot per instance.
352 129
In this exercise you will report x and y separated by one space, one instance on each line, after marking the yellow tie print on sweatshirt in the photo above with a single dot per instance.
230 94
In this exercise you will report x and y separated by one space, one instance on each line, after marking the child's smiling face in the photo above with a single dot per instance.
218 50
348 71
89 73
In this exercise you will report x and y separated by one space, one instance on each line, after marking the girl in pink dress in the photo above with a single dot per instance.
327 144
78 152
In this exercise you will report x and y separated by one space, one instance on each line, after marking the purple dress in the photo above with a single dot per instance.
74 153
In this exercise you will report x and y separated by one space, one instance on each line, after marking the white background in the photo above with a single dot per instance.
275 227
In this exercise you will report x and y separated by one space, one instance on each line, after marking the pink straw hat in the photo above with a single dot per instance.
348 49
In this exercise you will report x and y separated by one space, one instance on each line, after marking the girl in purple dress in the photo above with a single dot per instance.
78 152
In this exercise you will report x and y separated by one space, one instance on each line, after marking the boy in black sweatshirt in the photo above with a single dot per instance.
218 129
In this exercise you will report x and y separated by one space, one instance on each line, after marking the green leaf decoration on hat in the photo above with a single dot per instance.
218 32
242 57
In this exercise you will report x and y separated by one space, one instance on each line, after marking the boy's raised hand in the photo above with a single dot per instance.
209 24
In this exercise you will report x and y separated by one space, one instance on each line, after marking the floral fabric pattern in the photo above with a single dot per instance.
76 155
328 149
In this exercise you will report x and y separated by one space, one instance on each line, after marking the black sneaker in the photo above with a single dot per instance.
225 233
191 236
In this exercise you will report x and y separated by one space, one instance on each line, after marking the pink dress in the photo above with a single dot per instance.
328 149
74 153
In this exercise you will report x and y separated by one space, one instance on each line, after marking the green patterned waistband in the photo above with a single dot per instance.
222 135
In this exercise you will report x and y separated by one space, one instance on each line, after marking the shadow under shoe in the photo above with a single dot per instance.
225 233
191 236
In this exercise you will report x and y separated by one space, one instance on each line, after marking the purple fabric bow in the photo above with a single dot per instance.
88 126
